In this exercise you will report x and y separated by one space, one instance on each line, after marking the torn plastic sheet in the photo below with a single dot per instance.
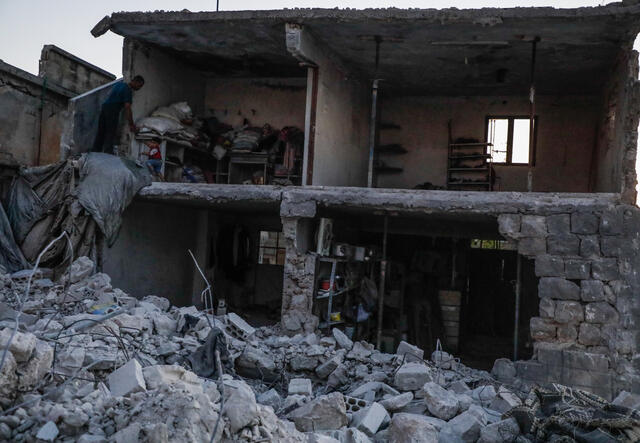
107 186
11 258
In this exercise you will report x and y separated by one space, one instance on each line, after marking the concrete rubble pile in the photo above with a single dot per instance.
90 363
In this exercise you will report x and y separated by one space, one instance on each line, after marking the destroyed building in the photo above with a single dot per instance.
463 175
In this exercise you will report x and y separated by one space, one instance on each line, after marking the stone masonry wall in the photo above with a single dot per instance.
586 334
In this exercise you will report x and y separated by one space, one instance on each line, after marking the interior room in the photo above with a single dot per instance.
446 280
217 121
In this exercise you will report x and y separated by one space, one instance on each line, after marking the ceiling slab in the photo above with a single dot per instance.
422 52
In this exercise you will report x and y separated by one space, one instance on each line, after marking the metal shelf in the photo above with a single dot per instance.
468 183
326 294
468 169
388 169
468 156
469 145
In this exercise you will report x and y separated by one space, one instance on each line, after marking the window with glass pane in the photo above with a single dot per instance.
511 140
271 250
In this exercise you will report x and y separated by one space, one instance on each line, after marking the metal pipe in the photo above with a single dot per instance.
532 112
372 131
516 328
383 277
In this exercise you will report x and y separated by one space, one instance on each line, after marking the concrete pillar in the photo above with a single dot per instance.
299 267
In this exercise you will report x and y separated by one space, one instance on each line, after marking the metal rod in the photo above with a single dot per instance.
383 277
532 101
516 328
372 131
332 280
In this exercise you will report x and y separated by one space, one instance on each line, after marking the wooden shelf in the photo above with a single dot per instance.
483 169
469 145
469 156
391 149
467 183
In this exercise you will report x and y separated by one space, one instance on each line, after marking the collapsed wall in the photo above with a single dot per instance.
587 331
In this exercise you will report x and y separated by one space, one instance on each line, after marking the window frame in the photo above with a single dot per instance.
510 125
278 247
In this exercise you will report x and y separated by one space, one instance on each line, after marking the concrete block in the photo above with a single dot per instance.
342 340
328 367
504 370
338 377
37 366
301 386
579 377
559 224
443 360
127 379
591 290
407 348
567 244
600 312
354 404
412 376
614 246
303 363
532 246
550 355
459 387
577 269
589 335
611 222
240 408
569 312
504 431
397 402
547 307
412 428
549 266
509 224
605 269
585 361
504 401
533 226
590 246
21 346
326 412
483 394
542 329
531 371
567 333
463 428
158 375
238 328
558 288
584 223
370 419
270 398
48 432
628 400
440 402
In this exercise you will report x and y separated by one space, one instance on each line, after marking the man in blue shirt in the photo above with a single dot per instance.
119 97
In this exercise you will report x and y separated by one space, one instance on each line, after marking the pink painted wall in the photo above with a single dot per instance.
566 135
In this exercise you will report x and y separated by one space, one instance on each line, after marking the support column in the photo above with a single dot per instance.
299 268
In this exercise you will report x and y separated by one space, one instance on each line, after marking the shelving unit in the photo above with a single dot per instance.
388 149
469 165
330 294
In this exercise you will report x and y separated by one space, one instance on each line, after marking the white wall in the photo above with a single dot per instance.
342 126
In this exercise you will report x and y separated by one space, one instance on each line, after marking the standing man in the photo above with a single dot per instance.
120 96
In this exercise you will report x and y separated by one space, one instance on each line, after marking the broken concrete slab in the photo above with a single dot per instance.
21 346
328 366
411 376
440 402
411 428
465 427
241 407
502 431
628 400
342 340
405 348
48 432
326 412
369 419
397 402
159 375
127 379
270 398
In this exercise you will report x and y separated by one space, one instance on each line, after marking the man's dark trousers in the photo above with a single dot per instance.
107 128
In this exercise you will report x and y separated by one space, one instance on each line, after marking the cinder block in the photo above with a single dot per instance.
239 328
300 386
370 419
